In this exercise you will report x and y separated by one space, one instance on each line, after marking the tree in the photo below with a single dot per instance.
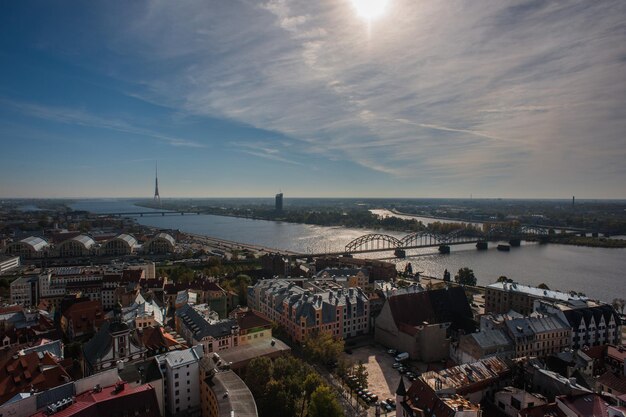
543 286
504 279
324 403
618 304
322 347
361 374
465 276
258 372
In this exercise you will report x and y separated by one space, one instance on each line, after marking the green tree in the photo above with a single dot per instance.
618 304
322 347
543 286
361 374
465 276
504 279
258 372
324 403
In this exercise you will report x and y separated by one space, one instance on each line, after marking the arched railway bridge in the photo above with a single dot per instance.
376 242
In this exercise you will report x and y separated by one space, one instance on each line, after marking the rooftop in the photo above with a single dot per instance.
535 292
114 401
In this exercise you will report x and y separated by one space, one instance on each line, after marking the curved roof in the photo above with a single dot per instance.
86 241
36 243
128 239
165 236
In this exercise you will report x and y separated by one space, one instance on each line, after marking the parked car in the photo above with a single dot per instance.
396 365
392 352
402 356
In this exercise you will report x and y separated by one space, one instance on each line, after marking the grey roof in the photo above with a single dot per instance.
179 358
55 347
233 395
165 236
86 241
536 292
306 302
129 239
35 242
529 326
491 338
200 327
342 272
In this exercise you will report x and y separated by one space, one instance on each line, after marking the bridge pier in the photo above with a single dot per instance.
544 239
445 249
482 245
594 234
515 242
163 214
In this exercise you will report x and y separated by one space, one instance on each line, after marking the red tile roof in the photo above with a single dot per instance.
113 401
250 320
617 383
23 372
84 315
617 353
586 404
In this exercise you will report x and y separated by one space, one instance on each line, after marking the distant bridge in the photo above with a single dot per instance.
147 213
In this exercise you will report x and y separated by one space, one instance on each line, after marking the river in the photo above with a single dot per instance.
598 272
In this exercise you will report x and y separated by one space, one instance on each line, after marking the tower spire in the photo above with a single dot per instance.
157 197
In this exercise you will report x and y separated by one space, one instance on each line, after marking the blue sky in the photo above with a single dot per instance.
243 98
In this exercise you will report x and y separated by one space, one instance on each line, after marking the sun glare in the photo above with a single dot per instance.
370 9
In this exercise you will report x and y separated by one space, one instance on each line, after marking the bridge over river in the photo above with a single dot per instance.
378 242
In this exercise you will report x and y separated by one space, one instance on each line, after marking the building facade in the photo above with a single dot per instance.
344 313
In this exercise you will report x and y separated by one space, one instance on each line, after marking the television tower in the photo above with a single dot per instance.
157 197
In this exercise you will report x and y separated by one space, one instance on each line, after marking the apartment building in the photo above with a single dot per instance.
180 371
592 323
343 312
501 297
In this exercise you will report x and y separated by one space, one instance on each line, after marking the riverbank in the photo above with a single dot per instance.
592 242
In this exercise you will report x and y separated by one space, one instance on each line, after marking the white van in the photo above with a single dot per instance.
402 356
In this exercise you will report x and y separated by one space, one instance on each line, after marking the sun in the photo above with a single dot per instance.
370 9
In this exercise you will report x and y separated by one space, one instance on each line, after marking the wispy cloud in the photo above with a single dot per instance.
263 150
80 117
452 94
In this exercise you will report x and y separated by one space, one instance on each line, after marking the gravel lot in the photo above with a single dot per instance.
382 378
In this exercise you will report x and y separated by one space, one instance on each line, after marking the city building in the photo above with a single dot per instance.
8 263
33 369
121 245
576 405
591 323
278 204
222 392
114 343
82 319
501 297
422 400
180 371
512 400
25 291
487 343
354 277
378 270
611 383
28 248
77 246
473 381
119 399
538 336
421 323
162 243
142 313
343 312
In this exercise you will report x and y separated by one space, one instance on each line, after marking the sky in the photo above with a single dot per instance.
490 98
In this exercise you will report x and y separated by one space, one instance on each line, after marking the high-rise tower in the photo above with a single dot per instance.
157 197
